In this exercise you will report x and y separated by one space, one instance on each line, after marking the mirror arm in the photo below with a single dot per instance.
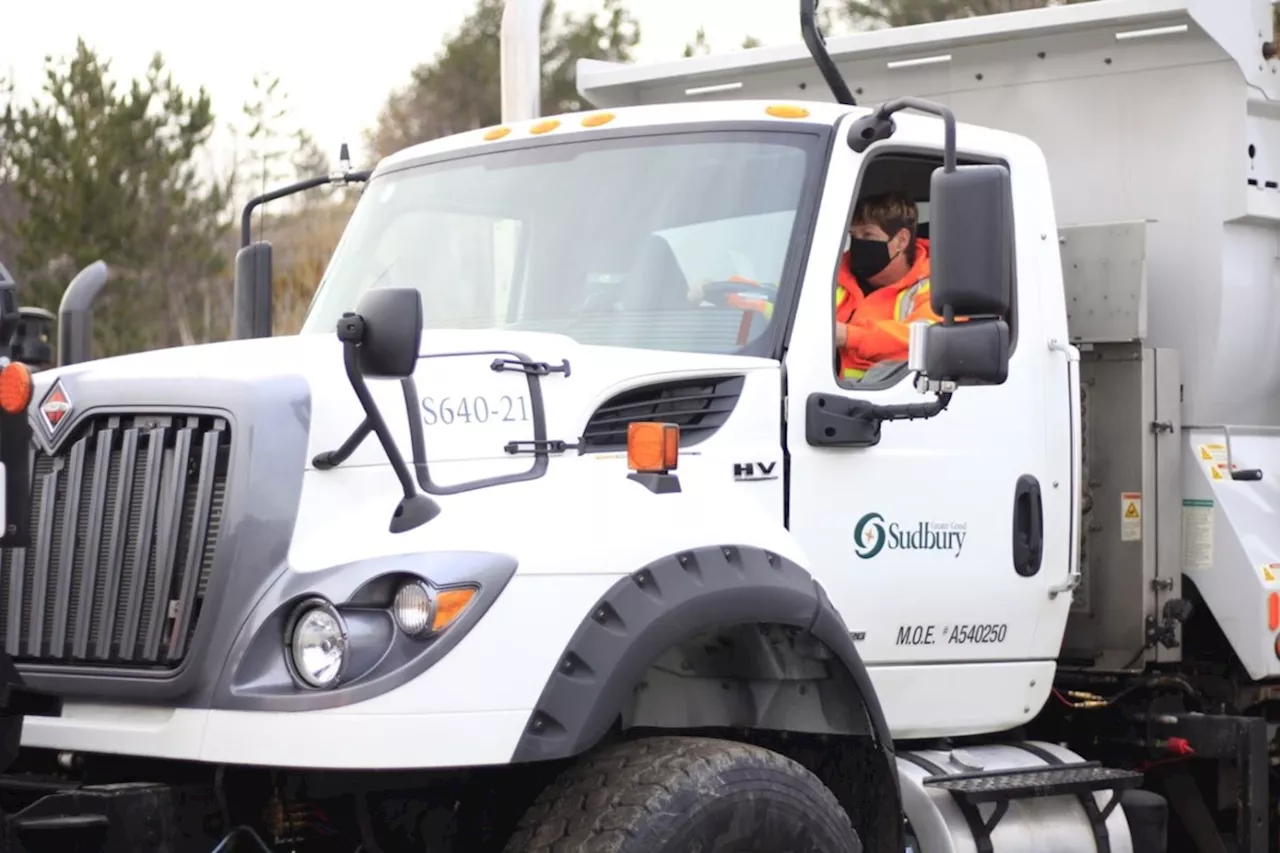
333 458
833 420
817 45
351 333
880 125
913 411
415 509
339 179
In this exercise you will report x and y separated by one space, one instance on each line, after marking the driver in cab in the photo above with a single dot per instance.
882 285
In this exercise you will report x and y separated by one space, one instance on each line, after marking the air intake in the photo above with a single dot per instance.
698 406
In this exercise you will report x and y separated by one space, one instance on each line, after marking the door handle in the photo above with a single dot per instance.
1028 526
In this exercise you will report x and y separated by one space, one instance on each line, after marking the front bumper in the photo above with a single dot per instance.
314 739
467 709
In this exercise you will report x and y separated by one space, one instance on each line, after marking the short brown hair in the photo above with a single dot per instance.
890 212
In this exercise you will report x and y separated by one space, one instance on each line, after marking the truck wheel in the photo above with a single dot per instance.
679 794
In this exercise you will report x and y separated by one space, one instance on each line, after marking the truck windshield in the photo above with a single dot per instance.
638 241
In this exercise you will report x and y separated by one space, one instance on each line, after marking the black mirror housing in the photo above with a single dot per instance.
392 332
33 339
970 353
971 241
253 292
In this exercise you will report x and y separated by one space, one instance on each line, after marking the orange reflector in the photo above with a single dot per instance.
787 111
15 388
496 133
597 119
1273 611
449 606
652 448
545 126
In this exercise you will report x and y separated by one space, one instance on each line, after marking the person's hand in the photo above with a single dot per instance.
842 335
696 290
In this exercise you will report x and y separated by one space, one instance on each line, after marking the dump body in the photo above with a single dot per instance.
1161 111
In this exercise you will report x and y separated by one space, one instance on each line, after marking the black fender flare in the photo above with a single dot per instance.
658 606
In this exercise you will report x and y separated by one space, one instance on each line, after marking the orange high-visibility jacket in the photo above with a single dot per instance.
877 324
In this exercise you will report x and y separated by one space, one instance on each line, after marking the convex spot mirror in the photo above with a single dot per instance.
971 353
392 332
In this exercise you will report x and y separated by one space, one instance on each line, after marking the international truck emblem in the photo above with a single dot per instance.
56 407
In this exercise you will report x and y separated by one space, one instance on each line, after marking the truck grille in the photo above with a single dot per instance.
124 520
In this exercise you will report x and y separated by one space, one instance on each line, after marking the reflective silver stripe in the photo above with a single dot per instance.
908 297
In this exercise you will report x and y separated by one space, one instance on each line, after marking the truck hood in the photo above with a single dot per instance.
467 411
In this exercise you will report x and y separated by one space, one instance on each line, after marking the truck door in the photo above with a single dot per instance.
943 541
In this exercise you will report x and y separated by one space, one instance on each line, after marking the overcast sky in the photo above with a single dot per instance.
337 68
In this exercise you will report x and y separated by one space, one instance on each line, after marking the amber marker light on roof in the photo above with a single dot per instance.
545 126
786 111
496 133
597 119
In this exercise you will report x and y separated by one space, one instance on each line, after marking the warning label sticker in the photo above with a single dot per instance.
1213 452
1215 457
1130 516
1270 571
1197 534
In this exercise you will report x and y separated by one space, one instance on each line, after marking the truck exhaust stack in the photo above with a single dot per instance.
521 60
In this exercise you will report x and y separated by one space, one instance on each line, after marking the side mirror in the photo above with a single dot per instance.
253 292
33 339
971 241
971 250
8 309
380 340
392 331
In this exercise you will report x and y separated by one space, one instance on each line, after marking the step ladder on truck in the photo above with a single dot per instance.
631 565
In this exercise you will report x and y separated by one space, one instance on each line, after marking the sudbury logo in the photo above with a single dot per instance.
56 407
872 534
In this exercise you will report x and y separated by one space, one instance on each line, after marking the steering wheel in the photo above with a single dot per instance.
718 293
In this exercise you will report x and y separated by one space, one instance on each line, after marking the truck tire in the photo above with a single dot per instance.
676 794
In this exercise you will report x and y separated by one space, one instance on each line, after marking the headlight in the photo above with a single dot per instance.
412 608
318 644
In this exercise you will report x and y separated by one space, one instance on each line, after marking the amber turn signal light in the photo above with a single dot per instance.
652 448
449 606
15 388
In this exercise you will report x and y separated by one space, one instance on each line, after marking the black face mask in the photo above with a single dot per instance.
868 257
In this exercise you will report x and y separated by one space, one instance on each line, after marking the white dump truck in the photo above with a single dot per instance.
549 532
